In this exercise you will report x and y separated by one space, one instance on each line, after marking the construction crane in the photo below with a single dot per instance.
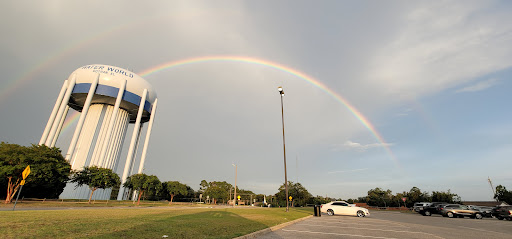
492 188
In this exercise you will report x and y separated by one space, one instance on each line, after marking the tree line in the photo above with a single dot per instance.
50 172
385 198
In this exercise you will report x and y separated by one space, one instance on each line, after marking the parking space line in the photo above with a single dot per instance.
363 224
369 223
482 230
385 221
373 220
384 230
338 234
488 222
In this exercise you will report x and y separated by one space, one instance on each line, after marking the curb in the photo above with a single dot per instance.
271 229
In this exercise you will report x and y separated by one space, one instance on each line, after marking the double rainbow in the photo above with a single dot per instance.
171 64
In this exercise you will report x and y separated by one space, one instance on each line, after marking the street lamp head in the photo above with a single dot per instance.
281 91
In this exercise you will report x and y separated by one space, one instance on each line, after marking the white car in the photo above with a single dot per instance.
343 208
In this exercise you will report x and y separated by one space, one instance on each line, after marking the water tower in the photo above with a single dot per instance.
109 98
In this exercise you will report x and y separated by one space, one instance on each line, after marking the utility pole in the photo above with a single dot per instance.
236 172
297 167
281 92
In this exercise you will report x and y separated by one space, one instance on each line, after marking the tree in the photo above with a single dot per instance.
445 197
397 200
502 194
190 196
415 195
318 200
95 177
245 195
143 183
203 186
299 194
175 188
49 171
216 190
379 197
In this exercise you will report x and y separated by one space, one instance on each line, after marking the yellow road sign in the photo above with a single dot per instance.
22 182
290 197
238 197
26 172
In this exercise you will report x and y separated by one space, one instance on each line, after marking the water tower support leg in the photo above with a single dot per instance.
60 126
112 121
62 107
82 119
148 134
54 113
131 150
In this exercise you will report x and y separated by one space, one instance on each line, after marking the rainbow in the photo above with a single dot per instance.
70 120
15 85
356 113
10 86
49 61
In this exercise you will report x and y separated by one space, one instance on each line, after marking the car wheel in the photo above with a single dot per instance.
427 213
360 214
500 218
330 212
449 214
509 218
478 216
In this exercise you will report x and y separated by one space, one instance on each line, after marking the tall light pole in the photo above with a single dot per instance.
281 92
236 172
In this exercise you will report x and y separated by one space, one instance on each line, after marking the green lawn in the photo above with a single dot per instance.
40 203
138 222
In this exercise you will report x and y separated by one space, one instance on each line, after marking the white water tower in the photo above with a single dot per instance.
109 98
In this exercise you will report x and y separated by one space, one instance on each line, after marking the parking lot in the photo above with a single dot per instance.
382 224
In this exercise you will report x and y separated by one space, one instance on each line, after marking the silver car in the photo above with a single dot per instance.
456 210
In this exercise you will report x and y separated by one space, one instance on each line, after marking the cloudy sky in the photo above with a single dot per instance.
390 94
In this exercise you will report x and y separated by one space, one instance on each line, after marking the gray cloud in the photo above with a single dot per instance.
435 42
348 171
216 113
349 145
482 85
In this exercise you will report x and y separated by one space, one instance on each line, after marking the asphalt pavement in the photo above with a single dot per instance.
387 225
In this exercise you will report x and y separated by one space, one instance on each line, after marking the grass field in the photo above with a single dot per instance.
55 203
143 222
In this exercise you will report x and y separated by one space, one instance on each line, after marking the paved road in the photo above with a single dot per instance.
394 225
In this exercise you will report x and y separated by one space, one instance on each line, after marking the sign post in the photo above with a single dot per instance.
25 174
